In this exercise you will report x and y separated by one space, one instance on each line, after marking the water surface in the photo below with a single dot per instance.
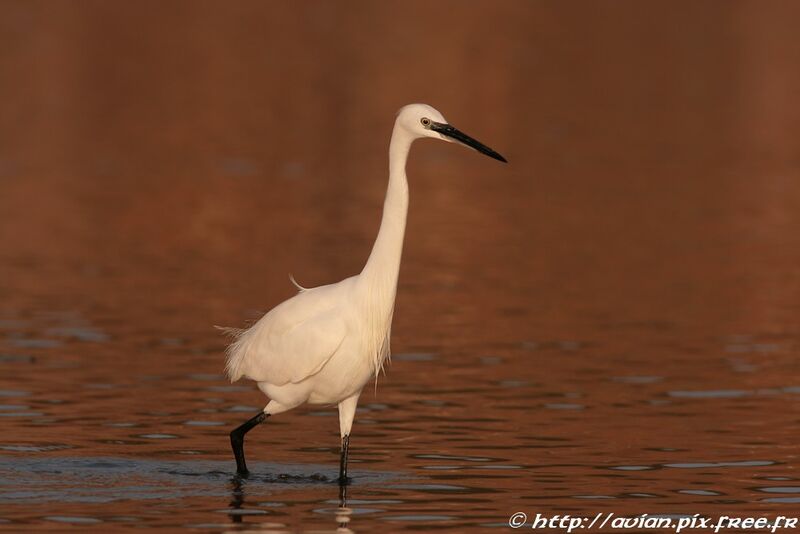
608 323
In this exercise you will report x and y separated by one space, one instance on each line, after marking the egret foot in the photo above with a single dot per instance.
343 480
237 441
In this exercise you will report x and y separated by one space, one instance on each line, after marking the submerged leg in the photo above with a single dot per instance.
343 461
237 441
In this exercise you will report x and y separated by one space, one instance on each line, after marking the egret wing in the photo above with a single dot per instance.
278 351
302 350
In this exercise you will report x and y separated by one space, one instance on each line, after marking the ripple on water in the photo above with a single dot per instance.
731 393
203 423
350 509
436 488
763 348
710 394
228 389
414 357
454 458
499 467
436 402
241 511
242 409
205 377
418 517
108 479
637 379
72 520
513 383
632 467
564 406
779 489
226 526
355 502
31 343
706 465
44 447
81 333
16 358
13 393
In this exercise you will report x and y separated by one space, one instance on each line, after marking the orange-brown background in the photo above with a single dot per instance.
165 165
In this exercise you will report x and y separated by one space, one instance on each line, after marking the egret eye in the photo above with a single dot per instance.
425 121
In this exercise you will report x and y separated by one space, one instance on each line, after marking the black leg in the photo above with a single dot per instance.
343 461
237 441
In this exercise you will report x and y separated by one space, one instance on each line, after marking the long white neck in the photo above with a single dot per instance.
383 266
378 279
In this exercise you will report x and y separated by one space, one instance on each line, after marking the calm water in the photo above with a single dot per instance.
607 324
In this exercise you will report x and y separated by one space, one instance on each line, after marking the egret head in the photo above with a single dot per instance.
422 120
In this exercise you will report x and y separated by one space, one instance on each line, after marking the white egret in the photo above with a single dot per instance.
324 344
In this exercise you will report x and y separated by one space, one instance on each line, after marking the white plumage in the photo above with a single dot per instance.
323 345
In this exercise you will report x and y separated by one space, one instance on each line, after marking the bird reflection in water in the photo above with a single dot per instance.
343 513
237 498
238 494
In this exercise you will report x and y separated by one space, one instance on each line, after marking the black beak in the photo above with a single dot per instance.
459 136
